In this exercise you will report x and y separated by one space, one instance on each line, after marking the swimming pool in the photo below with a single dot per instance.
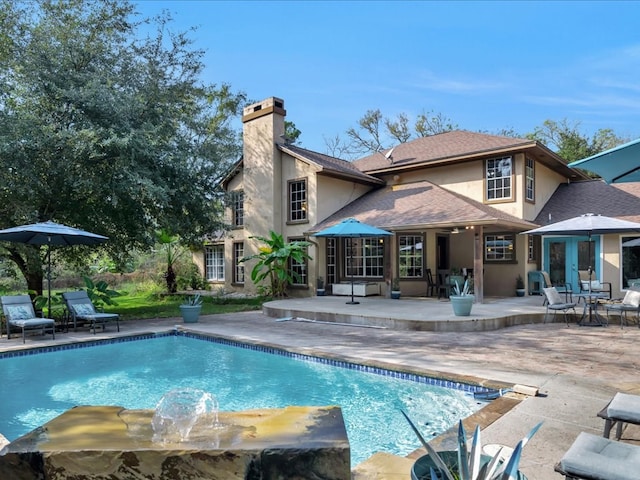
135 372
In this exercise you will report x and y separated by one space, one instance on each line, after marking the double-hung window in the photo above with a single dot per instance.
530 186
410 256
297 200
238 267
214 263
237 208
299 270
499 178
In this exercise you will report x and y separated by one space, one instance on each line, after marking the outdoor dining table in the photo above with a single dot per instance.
592 319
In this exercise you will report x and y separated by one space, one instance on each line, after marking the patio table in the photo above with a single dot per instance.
593 319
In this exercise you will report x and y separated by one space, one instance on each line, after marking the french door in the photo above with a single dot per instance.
564 256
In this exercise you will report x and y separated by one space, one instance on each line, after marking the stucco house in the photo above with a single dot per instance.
454 201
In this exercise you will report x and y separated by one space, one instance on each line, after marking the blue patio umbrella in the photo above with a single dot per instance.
352 228
50 233
616 165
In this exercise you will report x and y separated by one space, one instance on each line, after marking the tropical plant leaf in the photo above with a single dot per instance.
463 461
474 457
432 453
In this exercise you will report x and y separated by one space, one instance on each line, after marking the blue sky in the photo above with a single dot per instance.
486 66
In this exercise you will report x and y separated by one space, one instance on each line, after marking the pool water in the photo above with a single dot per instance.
136 374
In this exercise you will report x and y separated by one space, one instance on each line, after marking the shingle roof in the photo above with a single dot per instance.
448 145
571 200
418 204
330 165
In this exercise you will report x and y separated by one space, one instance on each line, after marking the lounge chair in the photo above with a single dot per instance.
81 309
18 312
555 303
592 285
596 458
630 303
623 408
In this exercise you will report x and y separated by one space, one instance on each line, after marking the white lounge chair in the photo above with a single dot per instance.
18 312
81 309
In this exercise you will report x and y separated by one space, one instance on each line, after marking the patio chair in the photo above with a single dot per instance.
18 312
623 408
555 303
630 303
431 284
561 287
591 457
81 309
444 285
596 285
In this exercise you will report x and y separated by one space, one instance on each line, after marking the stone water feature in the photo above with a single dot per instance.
185 437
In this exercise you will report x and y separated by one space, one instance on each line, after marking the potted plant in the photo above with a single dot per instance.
320 287
519 286
190 308
395 288
462 300
456 276
468 464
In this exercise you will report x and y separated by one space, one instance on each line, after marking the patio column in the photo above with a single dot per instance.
478 266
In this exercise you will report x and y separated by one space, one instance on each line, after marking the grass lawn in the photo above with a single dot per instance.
138 306
134 303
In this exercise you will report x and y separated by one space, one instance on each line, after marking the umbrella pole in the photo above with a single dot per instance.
49 278
352 302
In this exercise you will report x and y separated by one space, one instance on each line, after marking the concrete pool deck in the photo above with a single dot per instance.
577 369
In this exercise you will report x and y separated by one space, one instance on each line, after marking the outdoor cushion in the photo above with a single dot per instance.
553 296
595 285
18 312
33 322
625 407
598 458
83 309
632 298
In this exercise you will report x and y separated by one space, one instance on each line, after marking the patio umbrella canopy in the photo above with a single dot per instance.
616 165
352 228
50 233
587 224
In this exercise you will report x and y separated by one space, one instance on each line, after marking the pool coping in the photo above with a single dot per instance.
484 417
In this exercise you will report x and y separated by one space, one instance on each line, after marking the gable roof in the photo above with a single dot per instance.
330 166
416 205
457 146
620 200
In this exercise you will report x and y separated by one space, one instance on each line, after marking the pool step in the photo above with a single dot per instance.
383 466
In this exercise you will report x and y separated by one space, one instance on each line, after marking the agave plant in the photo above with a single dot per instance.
464 291
471 465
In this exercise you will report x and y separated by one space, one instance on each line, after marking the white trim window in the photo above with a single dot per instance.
238 266
297 200
238 208
299 271
499 178
364 257
410 256
530 185
214 263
